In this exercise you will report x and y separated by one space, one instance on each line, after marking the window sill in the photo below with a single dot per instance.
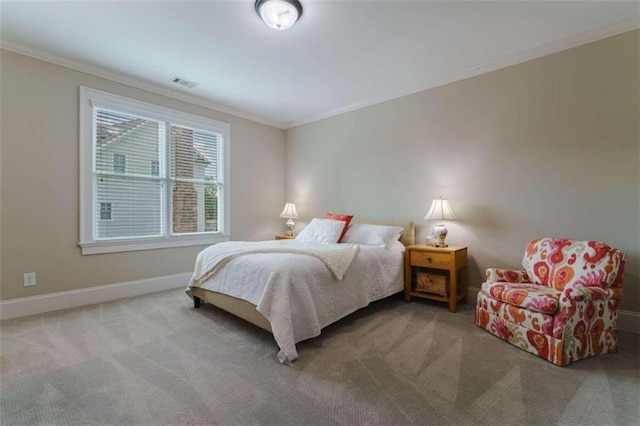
150 244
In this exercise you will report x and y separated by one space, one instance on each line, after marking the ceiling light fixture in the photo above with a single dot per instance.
279 14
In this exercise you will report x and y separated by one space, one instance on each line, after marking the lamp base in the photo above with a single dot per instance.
291 228
440 233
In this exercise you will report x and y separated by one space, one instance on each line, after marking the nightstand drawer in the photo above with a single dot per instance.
430 259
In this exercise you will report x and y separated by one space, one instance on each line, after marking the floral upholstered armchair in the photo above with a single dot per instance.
563 305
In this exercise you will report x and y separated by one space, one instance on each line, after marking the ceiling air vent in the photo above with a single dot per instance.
183 82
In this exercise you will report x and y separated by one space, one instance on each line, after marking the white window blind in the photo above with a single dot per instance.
157 176
134 193
195 156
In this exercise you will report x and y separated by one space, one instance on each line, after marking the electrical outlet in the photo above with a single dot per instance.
29 279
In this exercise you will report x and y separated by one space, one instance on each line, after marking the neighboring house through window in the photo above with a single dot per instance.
154 177
105 211
119 163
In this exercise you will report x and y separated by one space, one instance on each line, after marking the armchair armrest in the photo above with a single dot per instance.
506 275
577 292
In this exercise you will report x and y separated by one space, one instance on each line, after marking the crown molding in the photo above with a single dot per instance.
134 82
503 62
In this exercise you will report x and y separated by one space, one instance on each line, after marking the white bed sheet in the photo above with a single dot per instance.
299 295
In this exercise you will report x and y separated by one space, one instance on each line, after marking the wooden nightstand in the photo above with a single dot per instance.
285 237
452 260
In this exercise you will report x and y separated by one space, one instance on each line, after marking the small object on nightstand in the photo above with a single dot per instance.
436 273
430 240
285 237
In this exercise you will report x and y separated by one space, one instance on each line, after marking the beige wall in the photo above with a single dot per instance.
549 147
40 172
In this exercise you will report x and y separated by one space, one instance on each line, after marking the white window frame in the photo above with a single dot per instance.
92 98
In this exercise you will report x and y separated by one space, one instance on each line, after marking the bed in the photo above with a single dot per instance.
294 294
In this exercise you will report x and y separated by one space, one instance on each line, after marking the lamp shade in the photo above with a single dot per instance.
279 14
289 211
440 210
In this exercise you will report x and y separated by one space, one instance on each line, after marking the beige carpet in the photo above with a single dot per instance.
154 360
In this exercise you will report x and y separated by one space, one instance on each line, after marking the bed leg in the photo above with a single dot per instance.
196 302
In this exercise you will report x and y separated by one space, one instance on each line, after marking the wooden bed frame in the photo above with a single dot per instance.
248 312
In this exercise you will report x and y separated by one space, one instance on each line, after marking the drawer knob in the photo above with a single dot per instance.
429 259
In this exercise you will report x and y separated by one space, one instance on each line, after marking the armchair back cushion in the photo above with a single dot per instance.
556 262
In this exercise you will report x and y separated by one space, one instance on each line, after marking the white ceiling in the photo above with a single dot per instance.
341 55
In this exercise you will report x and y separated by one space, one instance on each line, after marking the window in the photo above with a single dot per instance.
119 163
105 211
165 171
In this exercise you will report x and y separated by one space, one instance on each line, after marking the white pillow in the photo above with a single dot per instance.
322 231
373 235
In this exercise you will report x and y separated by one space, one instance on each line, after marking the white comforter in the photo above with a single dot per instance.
337 257
299 294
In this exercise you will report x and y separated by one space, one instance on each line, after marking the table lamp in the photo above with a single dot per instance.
290 213
440 210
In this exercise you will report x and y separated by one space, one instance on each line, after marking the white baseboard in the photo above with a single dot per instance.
24 306
628 321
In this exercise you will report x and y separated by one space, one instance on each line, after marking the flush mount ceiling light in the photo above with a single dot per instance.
279 14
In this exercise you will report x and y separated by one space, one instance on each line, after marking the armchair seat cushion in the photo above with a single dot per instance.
537 321
533 297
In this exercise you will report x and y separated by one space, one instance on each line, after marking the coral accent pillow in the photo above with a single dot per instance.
343 217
